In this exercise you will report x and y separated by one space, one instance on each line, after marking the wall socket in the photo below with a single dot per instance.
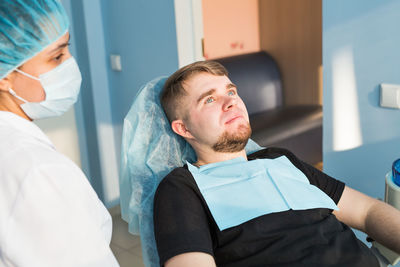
115 62
390 95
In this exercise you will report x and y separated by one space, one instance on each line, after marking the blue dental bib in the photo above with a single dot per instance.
238 190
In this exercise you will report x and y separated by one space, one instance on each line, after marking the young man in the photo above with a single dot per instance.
265 209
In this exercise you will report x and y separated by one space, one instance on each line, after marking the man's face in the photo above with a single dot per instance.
216 116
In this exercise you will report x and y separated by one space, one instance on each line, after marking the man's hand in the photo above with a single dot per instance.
376 218
192 259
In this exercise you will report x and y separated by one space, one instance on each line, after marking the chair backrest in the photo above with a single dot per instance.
258 79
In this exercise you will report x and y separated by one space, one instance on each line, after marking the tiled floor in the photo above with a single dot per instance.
126 247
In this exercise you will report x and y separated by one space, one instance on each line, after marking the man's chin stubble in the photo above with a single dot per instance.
230 143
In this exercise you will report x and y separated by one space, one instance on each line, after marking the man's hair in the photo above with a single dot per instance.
173 91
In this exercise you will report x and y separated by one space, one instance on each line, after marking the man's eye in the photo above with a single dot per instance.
231 93
210 100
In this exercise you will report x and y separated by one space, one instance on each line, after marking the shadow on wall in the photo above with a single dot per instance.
374 97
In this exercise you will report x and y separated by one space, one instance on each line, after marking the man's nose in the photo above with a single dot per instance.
229 102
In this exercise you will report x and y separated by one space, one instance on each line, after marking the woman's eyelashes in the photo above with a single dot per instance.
62 53
59 57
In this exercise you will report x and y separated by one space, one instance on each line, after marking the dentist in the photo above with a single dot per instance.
49 213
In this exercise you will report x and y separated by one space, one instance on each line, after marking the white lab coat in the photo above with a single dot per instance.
49 214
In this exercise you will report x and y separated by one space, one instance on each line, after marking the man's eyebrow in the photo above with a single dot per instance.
203 95
61 45
231 85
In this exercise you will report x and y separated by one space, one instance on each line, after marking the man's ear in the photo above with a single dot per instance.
178 126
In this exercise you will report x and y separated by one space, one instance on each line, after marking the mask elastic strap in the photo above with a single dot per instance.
27 75
12 92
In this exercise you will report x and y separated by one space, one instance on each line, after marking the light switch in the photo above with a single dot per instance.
390 95
116 62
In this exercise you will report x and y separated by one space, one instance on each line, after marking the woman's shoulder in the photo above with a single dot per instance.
26 161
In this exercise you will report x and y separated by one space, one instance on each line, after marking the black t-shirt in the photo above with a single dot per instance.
314 237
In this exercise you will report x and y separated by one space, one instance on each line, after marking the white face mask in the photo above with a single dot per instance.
61 85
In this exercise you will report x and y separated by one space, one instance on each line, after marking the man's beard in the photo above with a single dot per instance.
233 142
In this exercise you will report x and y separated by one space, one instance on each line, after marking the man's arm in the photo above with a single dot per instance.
376 218
195 259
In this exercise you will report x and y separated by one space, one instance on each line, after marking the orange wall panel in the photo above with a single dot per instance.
231 27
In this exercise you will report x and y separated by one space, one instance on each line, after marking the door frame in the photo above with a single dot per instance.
189 31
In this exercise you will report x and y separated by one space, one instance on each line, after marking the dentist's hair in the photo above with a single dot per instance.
173 93
27 27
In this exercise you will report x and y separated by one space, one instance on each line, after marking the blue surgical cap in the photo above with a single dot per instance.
150 150
26 28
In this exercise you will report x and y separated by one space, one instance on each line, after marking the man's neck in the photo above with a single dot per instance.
207 157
